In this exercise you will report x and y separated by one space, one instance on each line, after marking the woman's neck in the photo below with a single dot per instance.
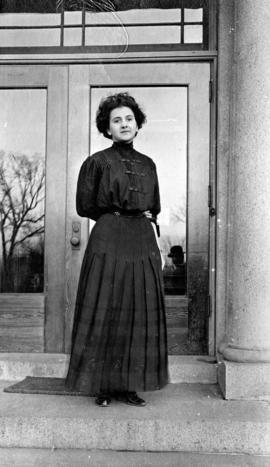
123 143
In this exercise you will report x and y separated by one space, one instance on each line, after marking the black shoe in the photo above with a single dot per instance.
131 398
103 400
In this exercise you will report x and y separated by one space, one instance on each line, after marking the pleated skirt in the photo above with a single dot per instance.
119 340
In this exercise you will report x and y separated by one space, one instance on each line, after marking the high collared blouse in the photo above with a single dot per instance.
118 177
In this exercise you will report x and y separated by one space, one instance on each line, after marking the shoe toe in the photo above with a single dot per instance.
134 399
102 401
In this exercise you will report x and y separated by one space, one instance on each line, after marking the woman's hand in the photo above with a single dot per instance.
148 214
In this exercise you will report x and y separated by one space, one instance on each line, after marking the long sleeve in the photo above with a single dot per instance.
87 189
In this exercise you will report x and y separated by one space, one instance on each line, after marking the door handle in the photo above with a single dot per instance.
75 241
212 211
76 236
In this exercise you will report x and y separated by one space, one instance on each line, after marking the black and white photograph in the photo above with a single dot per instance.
134 233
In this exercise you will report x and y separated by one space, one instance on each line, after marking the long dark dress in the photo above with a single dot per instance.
119 340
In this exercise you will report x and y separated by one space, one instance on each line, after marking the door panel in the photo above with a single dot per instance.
56 209
148 82
78 150
33 166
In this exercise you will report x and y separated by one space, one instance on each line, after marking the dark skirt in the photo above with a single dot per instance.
119 340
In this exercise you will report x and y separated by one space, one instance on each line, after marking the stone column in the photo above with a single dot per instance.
245 371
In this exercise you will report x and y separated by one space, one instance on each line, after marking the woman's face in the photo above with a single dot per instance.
122 125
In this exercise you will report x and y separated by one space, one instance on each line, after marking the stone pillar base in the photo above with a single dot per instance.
244 380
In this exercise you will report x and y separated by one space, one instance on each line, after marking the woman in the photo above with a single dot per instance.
119 343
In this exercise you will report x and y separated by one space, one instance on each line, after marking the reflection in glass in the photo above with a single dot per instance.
164 139
123 34
22 187
141 16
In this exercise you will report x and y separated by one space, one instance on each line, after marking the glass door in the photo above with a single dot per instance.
175 98
32 207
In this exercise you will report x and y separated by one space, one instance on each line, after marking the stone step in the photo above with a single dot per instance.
81 458
183 369
180 418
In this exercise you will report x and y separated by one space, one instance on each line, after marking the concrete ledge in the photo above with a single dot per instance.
192 369
183 369
16 366
82 458
244 380
184 417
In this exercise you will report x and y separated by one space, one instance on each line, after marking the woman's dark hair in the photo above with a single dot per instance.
122 99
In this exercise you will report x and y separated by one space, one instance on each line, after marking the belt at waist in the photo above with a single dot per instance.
125 213
135 213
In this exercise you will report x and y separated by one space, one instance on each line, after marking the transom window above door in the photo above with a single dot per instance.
61 26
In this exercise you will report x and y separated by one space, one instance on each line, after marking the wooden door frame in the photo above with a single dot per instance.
55 251
29 314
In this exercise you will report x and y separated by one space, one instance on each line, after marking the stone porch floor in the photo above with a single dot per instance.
180 418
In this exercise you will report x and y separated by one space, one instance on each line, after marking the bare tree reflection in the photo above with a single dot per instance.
89 5
179 214
22 181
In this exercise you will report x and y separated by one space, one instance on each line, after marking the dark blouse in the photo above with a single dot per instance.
117 178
